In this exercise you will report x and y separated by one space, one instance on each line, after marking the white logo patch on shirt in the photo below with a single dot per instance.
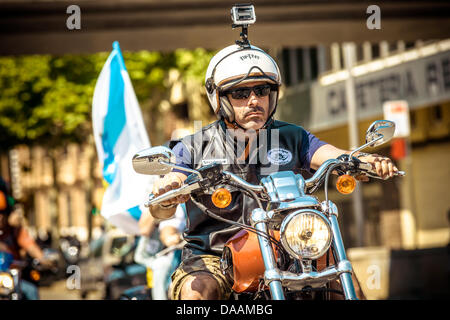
279 156
205 162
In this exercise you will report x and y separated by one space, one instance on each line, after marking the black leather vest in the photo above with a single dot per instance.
278 149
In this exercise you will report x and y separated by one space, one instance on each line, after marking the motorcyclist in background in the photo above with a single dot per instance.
156 235
14 239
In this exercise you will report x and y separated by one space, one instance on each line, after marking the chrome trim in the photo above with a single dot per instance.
330 209
320 173
155 160
276 215
365 146
276 289
258 215
314 279
245 184
284 186
301 202
174 166
341 258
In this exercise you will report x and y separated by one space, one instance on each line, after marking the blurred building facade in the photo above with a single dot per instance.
58 191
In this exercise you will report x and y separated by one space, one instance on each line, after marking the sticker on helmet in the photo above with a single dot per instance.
279 156
249 56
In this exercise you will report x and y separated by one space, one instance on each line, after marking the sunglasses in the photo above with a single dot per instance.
261 90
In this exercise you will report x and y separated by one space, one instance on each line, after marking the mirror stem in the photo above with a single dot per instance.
364 146
180 168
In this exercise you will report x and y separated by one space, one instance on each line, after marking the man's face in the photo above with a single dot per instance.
251 112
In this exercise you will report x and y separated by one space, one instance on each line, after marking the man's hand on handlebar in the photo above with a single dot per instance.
170 181
383 166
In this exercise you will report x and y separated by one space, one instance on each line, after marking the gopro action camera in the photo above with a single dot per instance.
243 14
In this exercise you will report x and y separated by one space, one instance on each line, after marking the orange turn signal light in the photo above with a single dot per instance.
346 184
3 201
35 275
221 198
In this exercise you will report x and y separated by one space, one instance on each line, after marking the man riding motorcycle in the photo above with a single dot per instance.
14 238
242 84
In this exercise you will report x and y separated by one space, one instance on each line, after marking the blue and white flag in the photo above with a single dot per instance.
119 133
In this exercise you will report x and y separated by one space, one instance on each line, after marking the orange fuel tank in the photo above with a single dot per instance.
247 262
248 265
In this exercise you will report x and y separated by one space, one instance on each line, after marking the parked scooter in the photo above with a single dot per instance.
293 245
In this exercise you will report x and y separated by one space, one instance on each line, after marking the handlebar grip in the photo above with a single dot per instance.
155 200
184 189
367 167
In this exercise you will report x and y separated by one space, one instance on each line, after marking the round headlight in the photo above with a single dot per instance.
6 281
306 234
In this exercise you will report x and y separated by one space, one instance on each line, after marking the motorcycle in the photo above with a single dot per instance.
294 246
70 248
144 292
9 278
38 274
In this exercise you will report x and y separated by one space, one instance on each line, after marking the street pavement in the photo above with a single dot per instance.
59 291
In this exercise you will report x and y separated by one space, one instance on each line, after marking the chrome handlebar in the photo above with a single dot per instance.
318 175
310 183
243 183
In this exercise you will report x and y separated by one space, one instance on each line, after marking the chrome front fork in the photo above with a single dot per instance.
259 218
341 256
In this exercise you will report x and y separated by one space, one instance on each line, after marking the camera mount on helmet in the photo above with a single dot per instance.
243 15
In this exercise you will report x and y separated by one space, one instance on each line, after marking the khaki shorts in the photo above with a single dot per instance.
201 263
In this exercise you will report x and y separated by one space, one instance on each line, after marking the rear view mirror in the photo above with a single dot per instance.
154 161
380 132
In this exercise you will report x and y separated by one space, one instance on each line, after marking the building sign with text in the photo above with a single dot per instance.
420 82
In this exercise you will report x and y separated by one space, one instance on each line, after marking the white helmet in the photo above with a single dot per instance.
235 65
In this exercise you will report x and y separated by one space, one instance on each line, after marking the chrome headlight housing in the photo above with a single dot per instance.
306 234
6 283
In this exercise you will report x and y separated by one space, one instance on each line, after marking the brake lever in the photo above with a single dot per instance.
367 170
184 189
210 175
375 176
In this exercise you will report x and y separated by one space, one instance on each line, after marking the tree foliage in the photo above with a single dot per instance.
47 99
